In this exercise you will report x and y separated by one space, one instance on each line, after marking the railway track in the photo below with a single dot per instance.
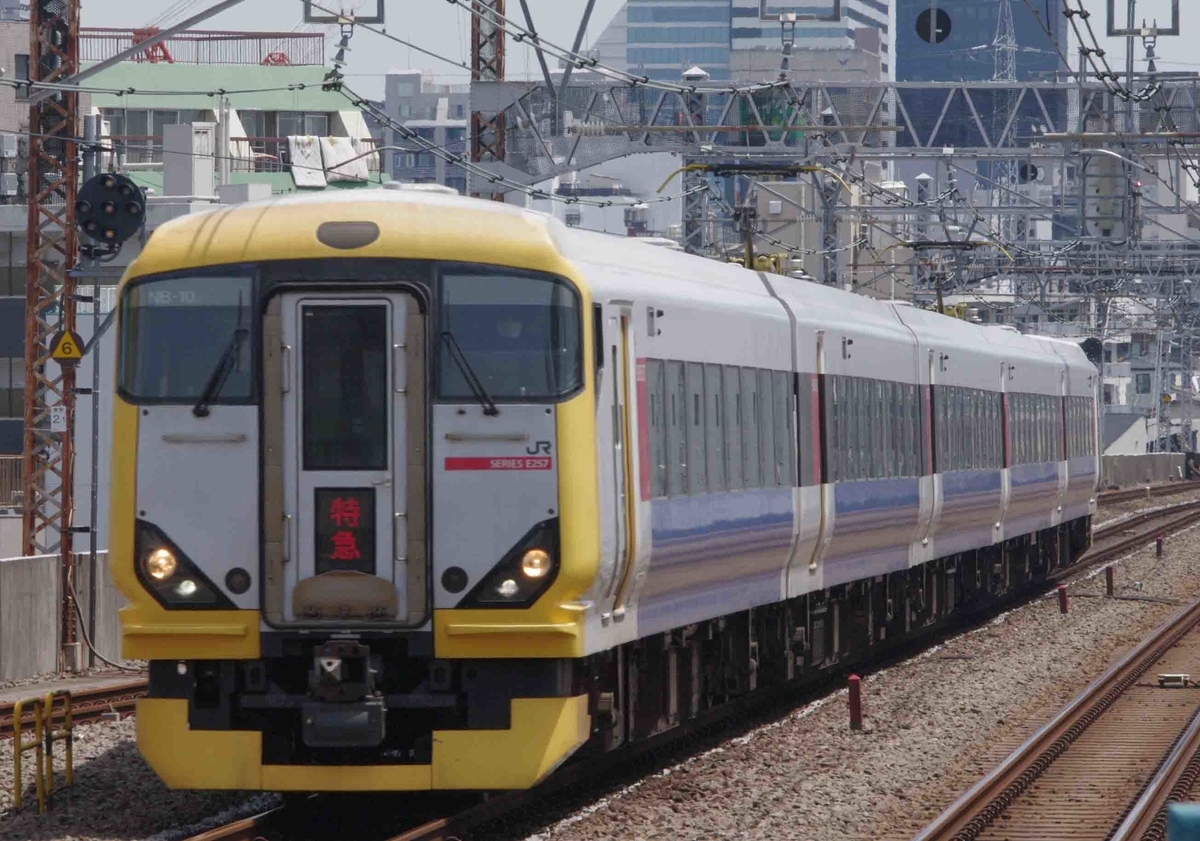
1145 492
1115 539
1105 766
86 705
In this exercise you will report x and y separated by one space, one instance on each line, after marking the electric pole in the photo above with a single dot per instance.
48 474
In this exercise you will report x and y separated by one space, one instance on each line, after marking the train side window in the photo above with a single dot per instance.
879 430
994 424
977 451
892 411
714 428
785 436
915 431
849 427
655 389
831 418
766 431
733 426
697 466
939 428
1020 429
751 469
675 412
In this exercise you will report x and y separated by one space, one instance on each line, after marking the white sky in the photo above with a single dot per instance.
444 28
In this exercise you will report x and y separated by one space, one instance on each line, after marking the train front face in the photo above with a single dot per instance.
340 518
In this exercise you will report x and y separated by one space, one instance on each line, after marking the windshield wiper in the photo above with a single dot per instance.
224 367
460 358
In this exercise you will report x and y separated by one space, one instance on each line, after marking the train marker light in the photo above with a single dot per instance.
186 588
508 588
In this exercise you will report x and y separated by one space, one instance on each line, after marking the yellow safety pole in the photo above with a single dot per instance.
20 746
66 734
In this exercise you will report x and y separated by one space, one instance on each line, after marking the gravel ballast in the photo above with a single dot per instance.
115 795
933 725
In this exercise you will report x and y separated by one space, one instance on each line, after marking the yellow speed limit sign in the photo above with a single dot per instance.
67 348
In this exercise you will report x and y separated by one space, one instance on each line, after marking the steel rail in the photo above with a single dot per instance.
87 704
984 802
1190 514
1145 492
1172 782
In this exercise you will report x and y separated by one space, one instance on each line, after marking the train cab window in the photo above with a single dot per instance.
656 394
176 331
751 466
697 460
733 425
345 390
521 334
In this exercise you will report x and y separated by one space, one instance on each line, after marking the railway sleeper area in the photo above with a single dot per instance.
635 691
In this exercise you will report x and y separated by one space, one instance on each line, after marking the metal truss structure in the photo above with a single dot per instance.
50 301
487 66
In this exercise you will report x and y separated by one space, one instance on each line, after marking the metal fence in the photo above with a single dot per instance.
206 47
10 481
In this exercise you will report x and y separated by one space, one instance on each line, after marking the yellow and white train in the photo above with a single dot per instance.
413 491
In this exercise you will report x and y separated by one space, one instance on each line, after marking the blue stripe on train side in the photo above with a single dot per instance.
970 507
714 554
873 523
1034 498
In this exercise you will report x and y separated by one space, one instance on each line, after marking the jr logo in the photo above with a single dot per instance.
539 447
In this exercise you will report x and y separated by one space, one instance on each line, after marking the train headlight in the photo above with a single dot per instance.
536 563
170 576
526 570
161 564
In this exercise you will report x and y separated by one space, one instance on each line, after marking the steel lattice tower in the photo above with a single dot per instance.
1004 53
487 65
49 290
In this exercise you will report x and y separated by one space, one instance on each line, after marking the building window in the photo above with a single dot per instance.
459 111
1108 395
1143 383
316 125
12 387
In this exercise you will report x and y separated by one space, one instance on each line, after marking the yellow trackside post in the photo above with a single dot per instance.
66 734
20 746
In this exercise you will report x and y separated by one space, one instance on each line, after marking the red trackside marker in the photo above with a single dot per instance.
1062 598
855 685
1108 581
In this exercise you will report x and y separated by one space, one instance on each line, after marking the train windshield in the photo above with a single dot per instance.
176 331
520 334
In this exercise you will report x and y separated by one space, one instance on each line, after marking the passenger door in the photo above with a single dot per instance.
352 383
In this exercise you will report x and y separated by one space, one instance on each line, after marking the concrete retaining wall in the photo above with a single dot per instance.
1124 471
30 600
